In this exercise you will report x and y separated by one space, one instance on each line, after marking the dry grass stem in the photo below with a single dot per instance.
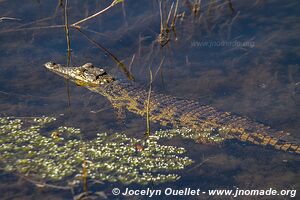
68 48
9 18
115 2
159 67
32 28
148 105
131 62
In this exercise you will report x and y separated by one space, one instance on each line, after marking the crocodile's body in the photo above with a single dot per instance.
168 110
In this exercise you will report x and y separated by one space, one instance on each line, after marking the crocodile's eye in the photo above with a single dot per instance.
88 66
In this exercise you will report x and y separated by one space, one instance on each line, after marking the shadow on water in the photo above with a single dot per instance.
243 58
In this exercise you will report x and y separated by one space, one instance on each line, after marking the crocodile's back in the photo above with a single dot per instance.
199 117
171 111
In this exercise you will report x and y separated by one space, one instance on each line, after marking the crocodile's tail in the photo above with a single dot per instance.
267 140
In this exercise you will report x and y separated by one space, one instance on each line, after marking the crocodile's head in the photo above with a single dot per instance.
85 75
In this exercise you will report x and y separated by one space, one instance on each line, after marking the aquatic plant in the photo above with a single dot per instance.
27 148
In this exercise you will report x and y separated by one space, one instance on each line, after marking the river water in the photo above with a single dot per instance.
243 59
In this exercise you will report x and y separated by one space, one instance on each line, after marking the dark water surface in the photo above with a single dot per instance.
246 62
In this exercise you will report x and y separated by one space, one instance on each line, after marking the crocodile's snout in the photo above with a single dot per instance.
51 65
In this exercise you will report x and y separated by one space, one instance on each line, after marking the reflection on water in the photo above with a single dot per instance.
244 60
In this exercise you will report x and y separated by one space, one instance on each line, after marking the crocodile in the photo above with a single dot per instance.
175 112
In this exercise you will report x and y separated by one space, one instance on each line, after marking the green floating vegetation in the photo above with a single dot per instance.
60 155
204 136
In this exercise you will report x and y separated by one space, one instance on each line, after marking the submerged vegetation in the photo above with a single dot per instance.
58 154
199 47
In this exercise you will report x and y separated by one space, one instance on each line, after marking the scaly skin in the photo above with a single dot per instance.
170 111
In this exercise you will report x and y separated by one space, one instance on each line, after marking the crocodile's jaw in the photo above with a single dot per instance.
86 75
